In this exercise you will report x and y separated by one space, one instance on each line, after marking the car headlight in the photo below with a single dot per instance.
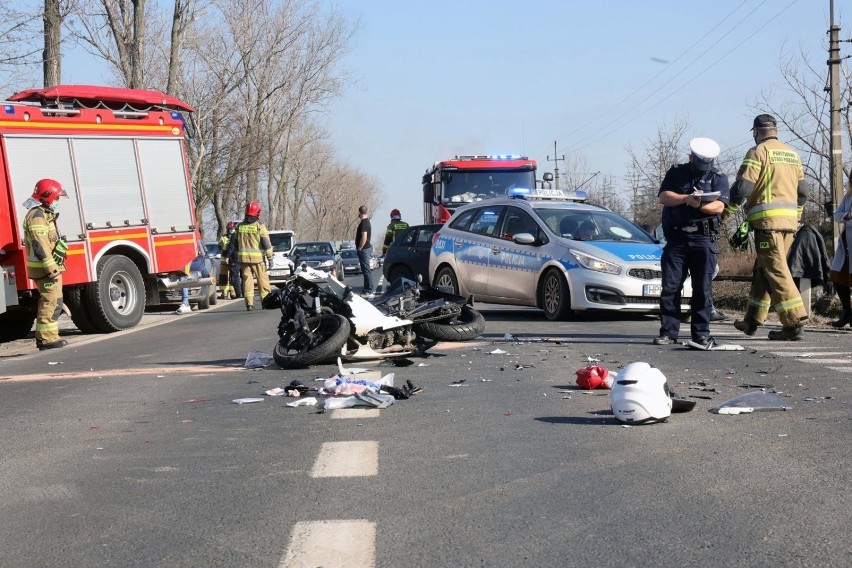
326 264
595 263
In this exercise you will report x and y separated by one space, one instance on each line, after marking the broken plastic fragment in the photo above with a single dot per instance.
277 391
246 400
350 371
757 401
498 352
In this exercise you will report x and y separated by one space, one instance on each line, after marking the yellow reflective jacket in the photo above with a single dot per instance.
253 243
775 170
40 236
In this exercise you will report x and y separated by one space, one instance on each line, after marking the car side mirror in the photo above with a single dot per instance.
524 239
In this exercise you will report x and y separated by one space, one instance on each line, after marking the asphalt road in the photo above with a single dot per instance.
126 450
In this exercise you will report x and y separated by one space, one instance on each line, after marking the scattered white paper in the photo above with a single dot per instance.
54 362
308 401
498 352
246 400
277 391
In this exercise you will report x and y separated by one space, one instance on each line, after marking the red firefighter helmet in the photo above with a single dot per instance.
47 191
253 209
395 214
231 225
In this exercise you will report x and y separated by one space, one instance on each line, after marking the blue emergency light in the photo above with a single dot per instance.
518 192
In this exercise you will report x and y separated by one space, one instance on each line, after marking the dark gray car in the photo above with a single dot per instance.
408 255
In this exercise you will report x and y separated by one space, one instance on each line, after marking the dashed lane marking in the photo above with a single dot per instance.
810 354
347 459
340 543
354 413
182 369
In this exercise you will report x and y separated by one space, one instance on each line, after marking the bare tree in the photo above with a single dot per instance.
116 31
19 31
604 193
648 168
52 54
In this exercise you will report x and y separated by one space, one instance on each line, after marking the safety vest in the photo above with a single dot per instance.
394 227
224 241
40 236
253 243
775 170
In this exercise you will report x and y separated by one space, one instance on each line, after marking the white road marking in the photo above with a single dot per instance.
341 544
825 361
841 369
809 354
347 459
354 413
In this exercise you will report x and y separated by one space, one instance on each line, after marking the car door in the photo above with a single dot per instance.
513 266
418 253
472 248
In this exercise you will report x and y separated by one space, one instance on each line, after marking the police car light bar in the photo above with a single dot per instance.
549 194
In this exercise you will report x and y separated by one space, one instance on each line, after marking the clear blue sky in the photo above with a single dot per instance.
434 79
440 78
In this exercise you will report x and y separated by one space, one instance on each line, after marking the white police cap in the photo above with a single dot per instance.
704 151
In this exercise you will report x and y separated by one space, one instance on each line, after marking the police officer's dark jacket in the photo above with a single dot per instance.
684 179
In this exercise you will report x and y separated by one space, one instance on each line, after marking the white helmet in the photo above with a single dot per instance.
640 395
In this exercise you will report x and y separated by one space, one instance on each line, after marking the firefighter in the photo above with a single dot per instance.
46 260
395 227
771 182
251 247
227 286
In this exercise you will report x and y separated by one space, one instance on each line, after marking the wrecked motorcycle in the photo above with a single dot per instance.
321 319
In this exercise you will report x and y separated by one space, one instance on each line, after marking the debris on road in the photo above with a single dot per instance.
594 377
758 401
498 351
246 400
257 360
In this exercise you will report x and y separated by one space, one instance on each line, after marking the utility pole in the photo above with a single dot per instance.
556 161
836 145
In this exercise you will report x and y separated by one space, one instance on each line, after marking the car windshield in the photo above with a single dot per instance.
349 253
309 249
281 242
212 248
588 225
466 186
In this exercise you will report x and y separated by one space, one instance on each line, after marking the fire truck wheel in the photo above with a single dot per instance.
73 297
446 278
16 324
116 301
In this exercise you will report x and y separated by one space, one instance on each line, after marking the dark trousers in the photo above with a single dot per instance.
236 278
694 256
364 255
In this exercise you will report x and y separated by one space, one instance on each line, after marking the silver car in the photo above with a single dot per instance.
550 250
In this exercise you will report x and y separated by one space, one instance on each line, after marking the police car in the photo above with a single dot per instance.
549 249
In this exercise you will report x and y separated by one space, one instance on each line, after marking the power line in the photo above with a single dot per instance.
690 81
678 58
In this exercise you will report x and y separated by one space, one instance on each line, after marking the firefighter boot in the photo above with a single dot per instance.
787 333
748 324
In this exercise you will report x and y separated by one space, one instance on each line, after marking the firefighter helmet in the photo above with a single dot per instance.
47 191
231 226
253 209
395 214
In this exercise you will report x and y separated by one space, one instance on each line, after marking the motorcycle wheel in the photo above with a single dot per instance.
467 325
329 337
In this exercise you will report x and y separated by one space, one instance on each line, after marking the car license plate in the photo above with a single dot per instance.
651 290
279 272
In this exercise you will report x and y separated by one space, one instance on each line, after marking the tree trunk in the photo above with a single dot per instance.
52 55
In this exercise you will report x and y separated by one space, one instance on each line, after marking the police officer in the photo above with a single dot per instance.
45 260
251 247
693 196
771 181
396 226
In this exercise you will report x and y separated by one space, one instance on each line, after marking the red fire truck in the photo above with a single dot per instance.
129 218
465 179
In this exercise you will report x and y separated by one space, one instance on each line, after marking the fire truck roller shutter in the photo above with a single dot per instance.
109 180
27 164
165 185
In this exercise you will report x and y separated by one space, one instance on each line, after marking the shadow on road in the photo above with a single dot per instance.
607 420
